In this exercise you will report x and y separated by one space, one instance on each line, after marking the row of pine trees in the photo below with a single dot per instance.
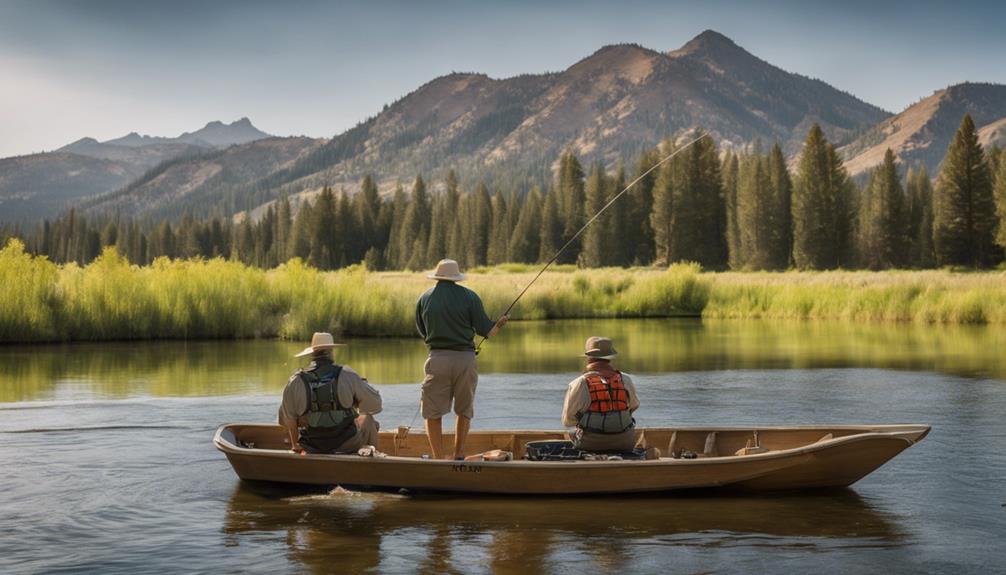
744 210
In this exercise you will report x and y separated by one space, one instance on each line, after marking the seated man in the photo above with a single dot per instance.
328 408
600 402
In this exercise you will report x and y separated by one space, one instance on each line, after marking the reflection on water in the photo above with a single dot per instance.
219 368
135 485
512 534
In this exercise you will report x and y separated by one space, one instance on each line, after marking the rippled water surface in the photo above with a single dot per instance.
108 465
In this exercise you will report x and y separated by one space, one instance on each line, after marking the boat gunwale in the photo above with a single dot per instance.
885 431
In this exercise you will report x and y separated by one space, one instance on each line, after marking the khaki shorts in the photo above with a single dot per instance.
451 376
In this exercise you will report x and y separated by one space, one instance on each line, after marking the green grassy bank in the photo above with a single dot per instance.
110 299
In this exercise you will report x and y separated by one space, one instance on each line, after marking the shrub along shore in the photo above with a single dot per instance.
110 299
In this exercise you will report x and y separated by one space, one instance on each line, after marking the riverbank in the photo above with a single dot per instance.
195 299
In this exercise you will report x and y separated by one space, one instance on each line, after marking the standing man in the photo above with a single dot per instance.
328 408
448 316
600 402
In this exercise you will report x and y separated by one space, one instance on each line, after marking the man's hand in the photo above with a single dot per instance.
499 323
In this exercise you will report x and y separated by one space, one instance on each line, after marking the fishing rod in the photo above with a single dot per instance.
590 221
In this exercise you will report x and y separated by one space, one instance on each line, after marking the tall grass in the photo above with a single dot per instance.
932 296
174 299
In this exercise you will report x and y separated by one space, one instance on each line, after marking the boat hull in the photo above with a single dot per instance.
841 456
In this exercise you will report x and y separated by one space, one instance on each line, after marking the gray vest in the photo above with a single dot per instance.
323 407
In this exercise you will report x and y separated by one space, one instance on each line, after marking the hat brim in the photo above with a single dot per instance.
457 278
612 356
311 349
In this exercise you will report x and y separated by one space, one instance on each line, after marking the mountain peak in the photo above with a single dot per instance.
220 135
712 37
709 43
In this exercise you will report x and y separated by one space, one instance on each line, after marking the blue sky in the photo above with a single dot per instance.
103 68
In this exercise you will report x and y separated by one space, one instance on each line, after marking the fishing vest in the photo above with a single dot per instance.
609 405
329 423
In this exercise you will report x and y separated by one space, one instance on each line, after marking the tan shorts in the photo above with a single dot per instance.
450 376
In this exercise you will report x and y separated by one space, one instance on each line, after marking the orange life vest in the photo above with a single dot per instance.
609 405
607 395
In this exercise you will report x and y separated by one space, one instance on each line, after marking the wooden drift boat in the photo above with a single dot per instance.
789 458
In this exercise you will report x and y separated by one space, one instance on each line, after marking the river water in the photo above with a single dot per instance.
108 466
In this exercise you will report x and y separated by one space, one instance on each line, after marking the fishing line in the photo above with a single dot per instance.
590 221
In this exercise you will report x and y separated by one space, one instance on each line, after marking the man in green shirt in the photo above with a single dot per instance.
448 316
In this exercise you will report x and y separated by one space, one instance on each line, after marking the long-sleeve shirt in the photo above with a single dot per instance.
351 389
449 315
578 399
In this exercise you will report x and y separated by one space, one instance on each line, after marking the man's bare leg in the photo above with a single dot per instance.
435 433
460 435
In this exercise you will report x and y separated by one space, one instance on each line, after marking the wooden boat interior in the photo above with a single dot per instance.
705 442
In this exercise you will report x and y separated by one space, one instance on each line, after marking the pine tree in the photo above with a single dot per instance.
620 223
883 227
1000 196
550 238
436 247
300 242
244 242
597 239
843 218
110 235
963 206
524 242
755 212
345 232
573 197
373 260
822 207
366 206
499 241
323 241
782 217
457 238
698 221
284 224
731 172
639 236
920 228
480 226
415 228
663 207
392 218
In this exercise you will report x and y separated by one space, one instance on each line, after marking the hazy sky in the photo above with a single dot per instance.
103 68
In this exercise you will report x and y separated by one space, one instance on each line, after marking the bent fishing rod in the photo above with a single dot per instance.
590 221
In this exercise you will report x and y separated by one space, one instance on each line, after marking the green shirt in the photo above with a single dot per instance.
448 316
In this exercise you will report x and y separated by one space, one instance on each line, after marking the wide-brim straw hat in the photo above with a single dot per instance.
599 348
320 341
447 270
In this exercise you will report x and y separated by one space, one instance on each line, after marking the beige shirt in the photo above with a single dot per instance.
578 399
351 389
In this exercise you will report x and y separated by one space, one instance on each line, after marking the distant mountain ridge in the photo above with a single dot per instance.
215 134
921 133
609 106
42 185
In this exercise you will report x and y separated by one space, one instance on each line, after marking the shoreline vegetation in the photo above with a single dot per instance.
111 299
